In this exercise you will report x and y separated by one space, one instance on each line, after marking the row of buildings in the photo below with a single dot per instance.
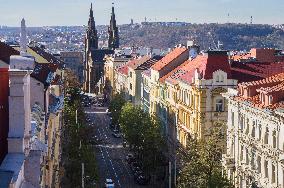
193 92
31 103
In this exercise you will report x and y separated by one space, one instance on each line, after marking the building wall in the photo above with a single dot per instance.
255 147
37 94
74 61
4 112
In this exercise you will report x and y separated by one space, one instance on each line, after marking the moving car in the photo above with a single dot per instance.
116 135
109 183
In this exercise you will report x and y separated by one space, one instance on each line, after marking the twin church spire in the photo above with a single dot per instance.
92 34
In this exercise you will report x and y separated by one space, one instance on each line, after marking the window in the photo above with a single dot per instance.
274 139
259 164
233 118
270 100
130 74
242 153
253 131
266 136
130 86
222 78
219 105
247 157
266 169
217 78
273 173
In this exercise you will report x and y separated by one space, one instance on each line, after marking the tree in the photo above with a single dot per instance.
115 107
74 153
201 161
143 133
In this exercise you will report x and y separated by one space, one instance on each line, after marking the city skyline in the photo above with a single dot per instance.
75 12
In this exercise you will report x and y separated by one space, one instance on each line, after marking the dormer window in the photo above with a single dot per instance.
222 78
270 100
217 78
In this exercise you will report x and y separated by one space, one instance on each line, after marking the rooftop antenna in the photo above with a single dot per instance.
228 17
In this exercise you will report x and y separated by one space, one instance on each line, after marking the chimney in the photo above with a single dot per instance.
19 104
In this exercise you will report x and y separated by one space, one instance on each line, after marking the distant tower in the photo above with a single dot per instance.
132 22
23 39
91 39
251 20
113 40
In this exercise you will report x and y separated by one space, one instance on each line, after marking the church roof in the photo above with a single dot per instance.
98 55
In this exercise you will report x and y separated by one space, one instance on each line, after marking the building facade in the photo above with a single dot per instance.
74 61
255 147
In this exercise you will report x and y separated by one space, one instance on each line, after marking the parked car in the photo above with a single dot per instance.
130 158
135 166
109 183
143 180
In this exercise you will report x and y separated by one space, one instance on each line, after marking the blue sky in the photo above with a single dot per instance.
75 12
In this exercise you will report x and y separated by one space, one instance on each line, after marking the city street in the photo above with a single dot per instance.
110 154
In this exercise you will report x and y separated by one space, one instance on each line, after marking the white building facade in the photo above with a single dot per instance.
255 134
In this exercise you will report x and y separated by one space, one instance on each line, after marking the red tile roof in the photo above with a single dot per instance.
251 71
135 63
271 86
207 65
123 70
169 58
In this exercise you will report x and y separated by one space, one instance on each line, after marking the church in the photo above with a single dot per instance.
94 57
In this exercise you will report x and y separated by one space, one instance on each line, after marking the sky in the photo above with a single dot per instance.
75 12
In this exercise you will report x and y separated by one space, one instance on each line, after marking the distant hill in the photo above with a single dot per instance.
233 36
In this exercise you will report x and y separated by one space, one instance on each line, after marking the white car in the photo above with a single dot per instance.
109 183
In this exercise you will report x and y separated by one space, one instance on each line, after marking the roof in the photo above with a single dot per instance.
135 63
149 63
259 54
123 70
6 51
270 86
98 55
169 58
206 64
172 76
5 178
13 162
44 72
49 57
252 71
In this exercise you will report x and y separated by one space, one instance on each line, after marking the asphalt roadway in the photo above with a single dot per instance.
110 154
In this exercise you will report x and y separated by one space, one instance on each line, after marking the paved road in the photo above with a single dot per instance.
110 153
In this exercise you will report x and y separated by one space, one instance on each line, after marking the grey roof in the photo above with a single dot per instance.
5 178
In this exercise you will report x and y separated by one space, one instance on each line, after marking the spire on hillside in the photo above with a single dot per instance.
113 41
23 38
92 36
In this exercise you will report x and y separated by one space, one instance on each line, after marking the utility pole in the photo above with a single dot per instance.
170 174
83 170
